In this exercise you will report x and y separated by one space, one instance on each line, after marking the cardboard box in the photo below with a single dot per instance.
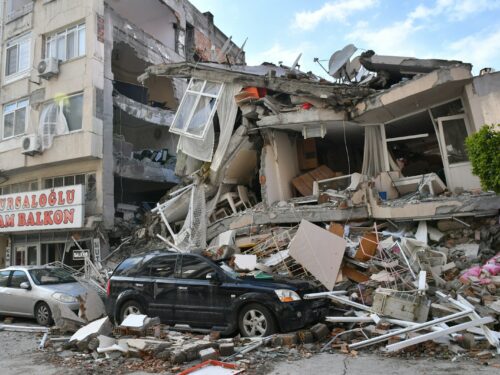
304 183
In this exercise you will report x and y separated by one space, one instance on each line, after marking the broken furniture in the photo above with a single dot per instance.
427 184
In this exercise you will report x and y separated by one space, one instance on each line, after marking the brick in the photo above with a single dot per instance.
305 337
289 339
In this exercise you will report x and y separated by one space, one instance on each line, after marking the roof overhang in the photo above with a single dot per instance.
413 95
270 77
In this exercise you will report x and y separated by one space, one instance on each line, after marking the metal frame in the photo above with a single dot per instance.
435 334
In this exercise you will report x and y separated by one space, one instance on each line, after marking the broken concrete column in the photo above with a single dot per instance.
98 327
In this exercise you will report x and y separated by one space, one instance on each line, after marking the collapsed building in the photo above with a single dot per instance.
291 146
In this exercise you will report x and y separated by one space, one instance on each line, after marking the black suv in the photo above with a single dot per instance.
192 290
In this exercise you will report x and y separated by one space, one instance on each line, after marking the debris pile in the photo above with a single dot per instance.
141 343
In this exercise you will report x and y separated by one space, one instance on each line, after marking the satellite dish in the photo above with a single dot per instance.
339 59
352 68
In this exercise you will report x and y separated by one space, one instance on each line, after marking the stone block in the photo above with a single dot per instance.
209 353
177 357
320 331
226 349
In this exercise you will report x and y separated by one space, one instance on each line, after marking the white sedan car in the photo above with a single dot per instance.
32 291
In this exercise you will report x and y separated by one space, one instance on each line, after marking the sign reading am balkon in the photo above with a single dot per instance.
56 208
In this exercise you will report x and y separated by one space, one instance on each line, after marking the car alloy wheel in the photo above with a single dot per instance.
254 323
130 308
42 314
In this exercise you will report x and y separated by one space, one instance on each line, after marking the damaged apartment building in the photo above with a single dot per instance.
81 140
269 145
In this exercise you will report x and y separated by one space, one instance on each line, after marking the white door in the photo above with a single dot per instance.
457 168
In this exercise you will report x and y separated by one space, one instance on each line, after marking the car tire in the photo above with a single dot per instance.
256 320
43 315
130 307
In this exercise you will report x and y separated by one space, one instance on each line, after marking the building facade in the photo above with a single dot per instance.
80 138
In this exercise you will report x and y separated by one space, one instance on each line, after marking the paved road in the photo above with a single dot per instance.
19 356
339 364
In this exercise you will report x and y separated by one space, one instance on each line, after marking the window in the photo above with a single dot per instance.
195 268
4 277
454 134
67 44
14 119
163 266
197 109
18 277
18 8
17 57
454 107
60 117
72 108
88 180
20 187
32 255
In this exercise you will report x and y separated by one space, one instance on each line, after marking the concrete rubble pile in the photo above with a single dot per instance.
142 343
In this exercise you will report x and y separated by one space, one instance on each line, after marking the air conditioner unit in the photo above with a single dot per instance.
48 68
30 144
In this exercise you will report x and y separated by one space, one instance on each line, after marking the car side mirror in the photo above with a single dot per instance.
213 277
25 285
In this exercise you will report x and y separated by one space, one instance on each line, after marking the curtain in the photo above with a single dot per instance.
227 110
373 156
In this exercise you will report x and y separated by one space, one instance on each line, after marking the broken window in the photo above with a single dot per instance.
197 109
454 107
17 56
413 144
14 118
67 44
454 134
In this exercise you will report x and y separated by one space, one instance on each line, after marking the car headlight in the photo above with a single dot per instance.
286 295
65 298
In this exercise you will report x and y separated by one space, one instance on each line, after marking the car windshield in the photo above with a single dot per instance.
44 276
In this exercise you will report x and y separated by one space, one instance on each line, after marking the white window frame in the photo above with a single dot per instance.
13 14
54 37
182 129
15 106
19 73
